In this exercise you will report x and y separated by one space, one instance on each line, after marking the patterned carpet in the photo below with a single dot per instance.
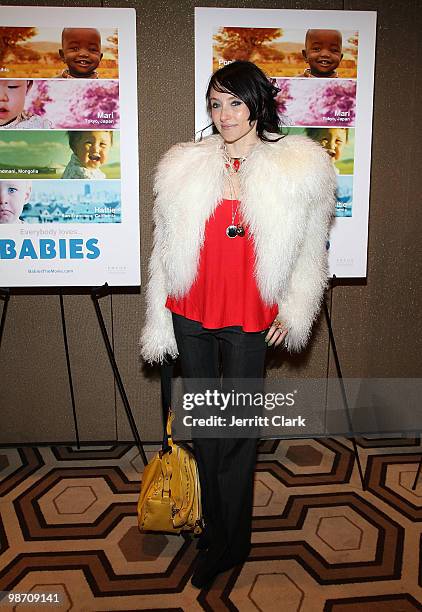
320 543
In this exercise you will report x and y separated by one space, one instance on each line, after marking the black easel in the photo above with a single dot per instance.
343 392
69 370
418 473
5 296
340 376
96 294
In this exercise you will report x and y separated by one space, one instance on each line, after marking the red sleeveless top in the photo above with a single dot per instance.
225 292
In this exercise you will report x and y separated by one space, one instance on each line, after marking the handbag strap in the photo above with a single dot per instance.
166 375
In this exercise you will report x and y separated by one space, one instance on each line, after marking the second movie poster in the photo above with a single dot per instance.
322 63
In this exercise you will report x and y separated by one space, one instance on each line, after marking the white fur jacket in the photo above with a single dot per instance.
287 200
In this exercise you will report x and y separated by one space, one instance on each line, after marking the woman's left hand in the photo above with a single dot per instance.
276 333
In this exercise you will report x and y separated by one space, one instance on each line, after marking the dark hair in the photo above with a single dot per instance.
248 83
74 136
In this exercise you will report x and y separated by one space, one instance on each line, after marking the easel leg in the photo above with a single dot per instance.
418 473
69 371
97 293
343 391
5 296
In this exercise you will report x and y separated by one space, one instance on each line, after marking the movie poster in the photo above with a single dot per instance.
322 63
69 201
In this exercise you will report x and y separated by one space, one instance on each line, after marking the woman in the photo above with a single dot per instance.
241 223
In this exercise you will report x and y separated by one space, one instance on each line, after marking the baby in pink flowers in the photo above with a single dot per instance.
12 103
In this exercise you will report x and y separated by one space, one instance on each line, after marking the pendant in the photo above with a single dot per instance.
240 230
231 231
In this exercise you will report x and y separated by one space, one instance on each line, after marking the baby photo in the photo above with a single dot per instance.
73 202
323 53
339 142
70 104
81 52
56 154
13 197
285 52
90 152
63 53
13 95
323 102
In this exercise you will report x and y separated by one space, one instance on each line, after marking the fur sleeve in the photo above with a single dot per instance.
301 303
167 261
157 338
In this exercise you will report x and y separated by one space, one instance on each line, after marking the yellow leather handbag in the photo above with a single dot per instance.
170 498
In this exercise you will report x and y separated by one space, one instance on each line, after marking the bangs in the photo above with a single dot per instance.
232 84
220 87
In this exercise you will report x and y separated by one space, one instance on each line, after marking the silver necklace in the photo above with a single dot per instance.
232 165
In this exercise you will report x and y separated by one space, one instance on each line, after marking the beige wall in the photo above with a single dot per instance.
377 322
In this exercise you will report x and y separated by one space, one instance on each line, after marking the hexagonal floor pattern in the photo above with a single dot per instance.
320 543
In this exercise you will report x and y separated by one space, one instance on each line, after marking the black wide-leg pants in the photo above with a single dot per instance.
226 466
